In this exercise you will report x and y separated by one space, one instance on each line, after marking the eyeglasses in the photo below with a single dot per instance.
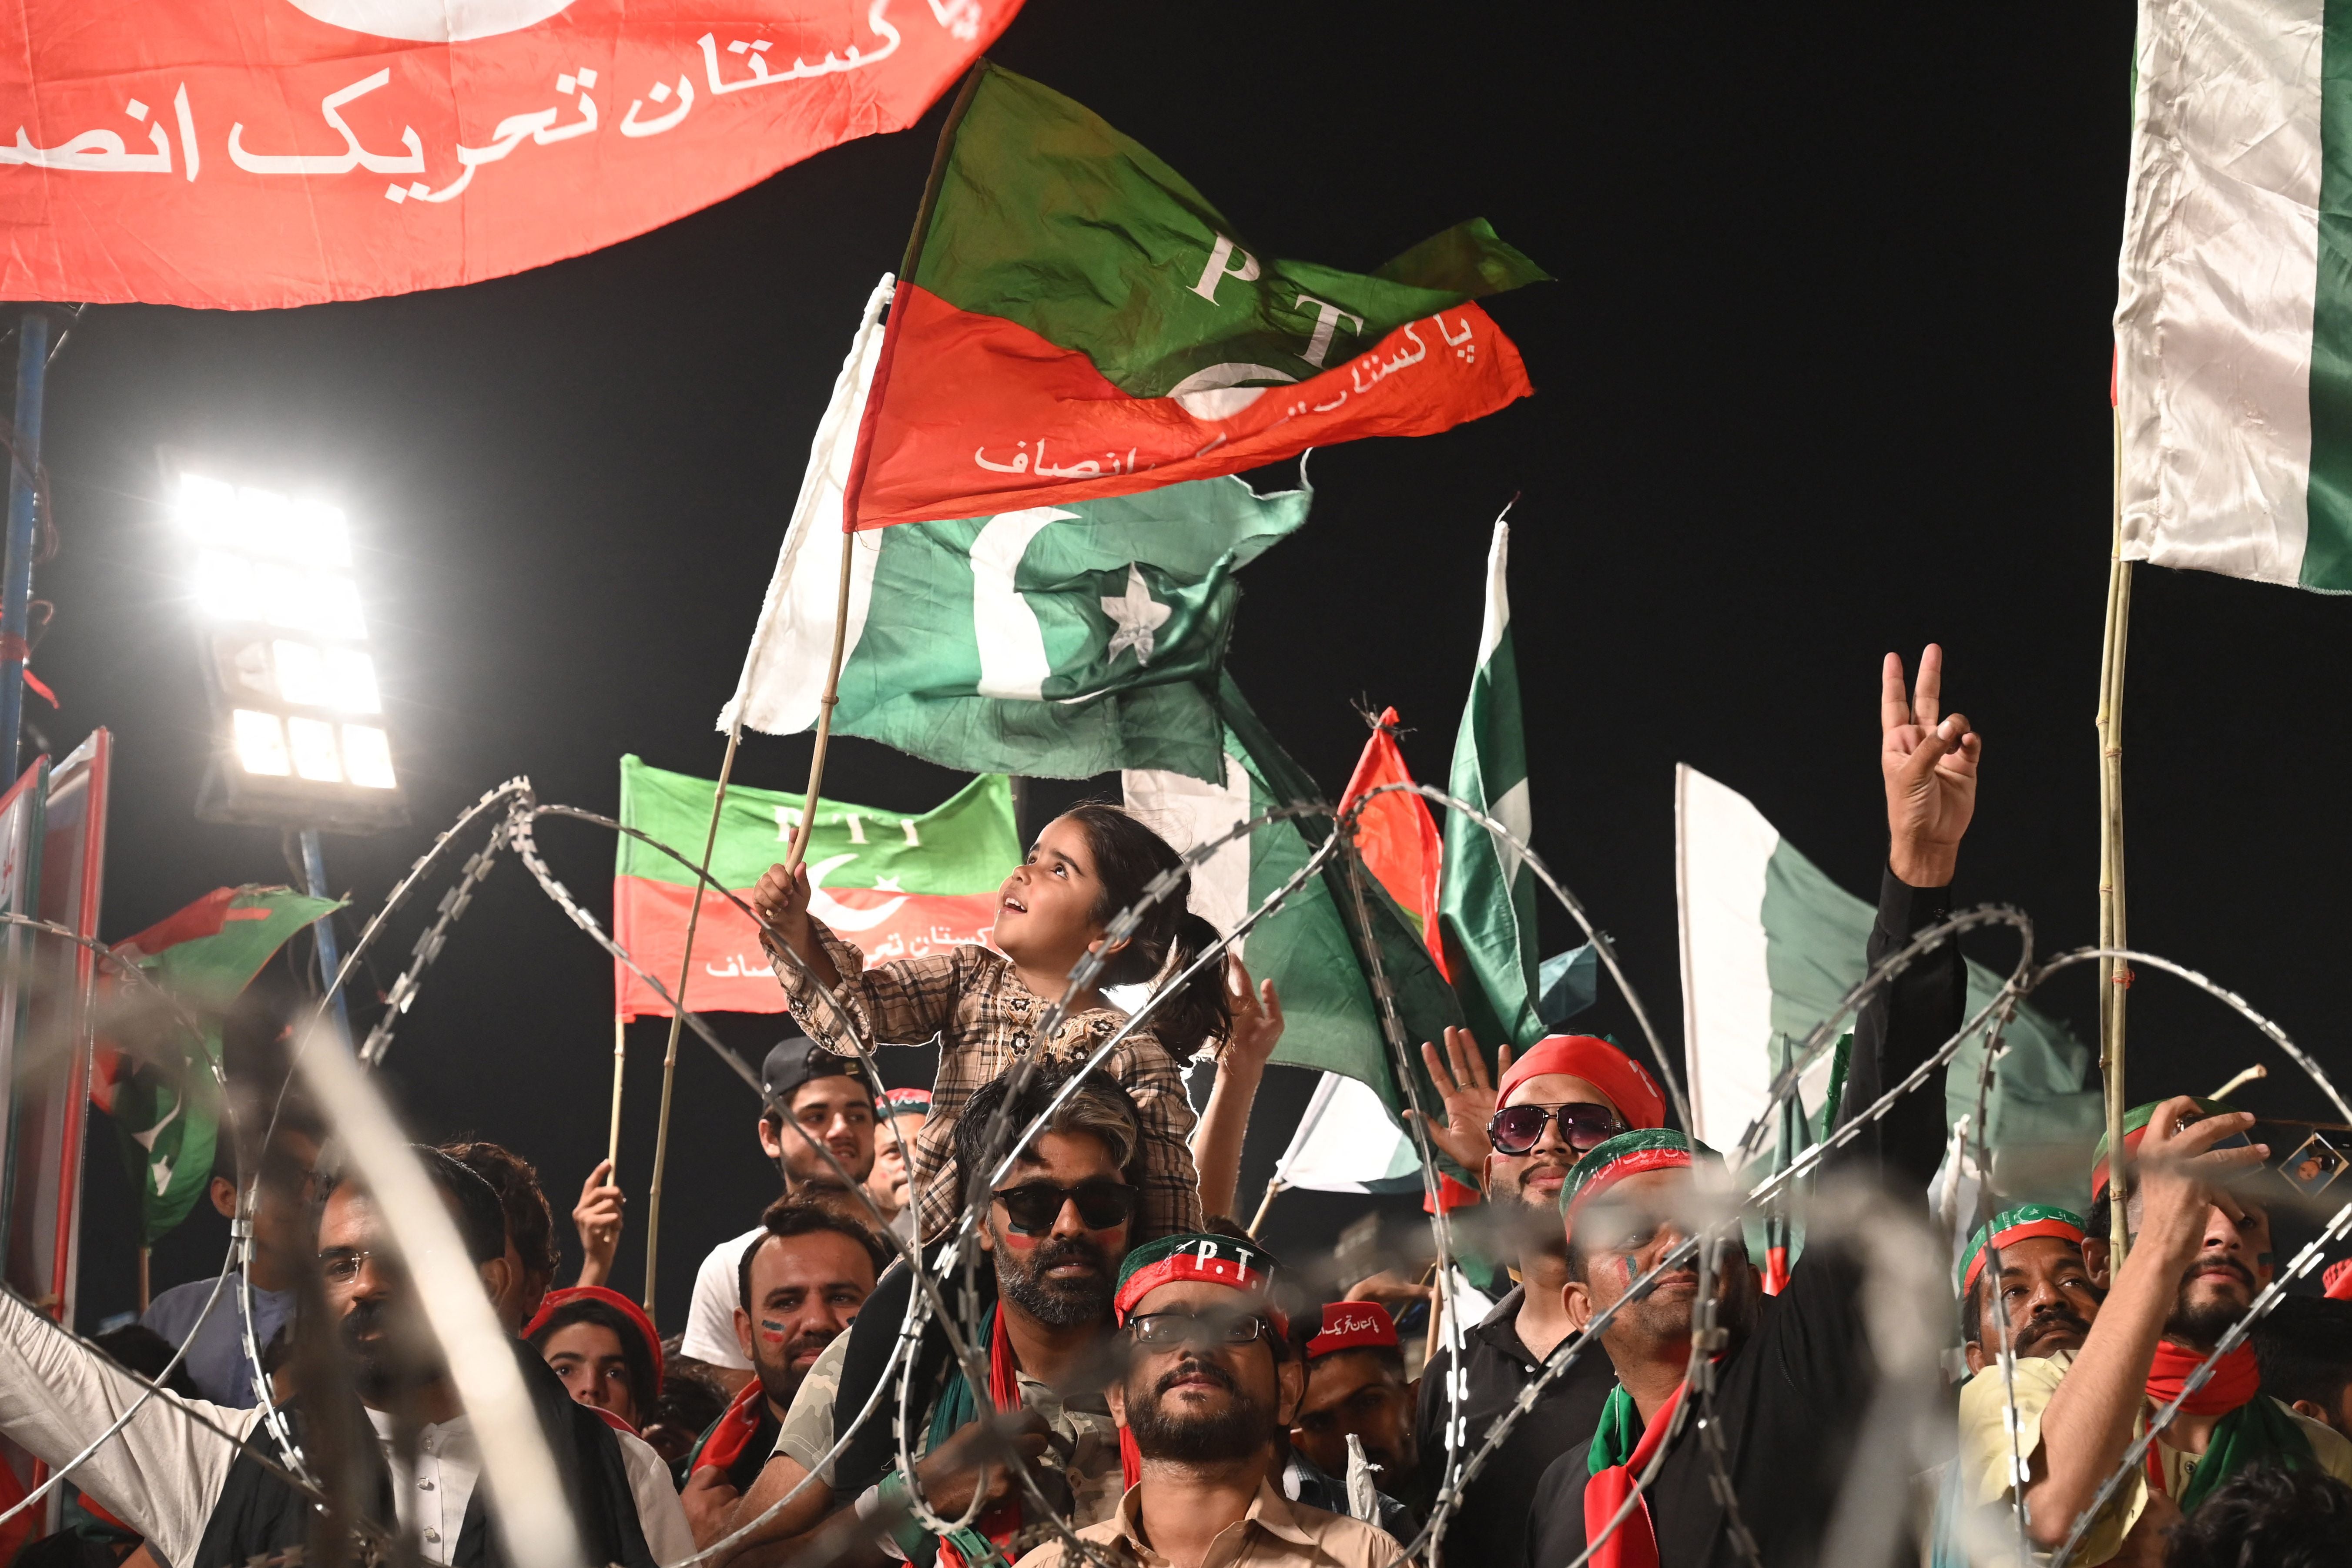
341 1265
1516 1129
1032 1208
1161 1330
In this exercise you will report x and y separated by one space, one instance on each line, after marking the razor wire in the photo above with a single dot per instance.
925 1301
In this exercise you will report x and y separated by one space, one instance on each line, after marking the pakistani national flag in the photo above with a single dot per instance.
1769 944
1396 834
2233 324
897 884
1331 1020
166 1109
1489 901
1079 322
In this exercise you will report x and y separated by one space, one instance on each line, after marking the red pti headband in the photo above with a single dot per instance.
1629 1164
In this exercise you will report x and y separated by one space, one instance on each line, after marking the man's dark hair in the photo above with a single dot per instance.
481 1218
2305 1348
635 1352
147 1352
1100 1108
790 1216
530 1221
2267 1517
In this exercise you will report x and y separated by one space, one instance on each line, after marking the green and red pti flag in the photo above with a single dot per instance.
1397 837
1079 322
164 1105
253 154
897 885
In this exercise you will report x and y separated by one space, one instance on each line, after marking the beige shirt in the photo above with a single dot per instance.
1274 1533
1985 1456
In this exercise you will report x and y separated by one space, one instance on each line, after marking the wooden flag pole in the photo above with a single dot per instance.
2115 976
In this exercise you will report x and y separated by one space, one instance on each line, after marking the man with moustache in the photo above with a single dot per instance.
203 1501
832 1124
1056 1230
2025 1265
1563 1096
2200 1252
803 1282
1792 1379
1207 1385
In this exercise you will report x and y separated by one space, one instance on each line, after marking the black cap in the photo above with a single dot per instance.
793 1061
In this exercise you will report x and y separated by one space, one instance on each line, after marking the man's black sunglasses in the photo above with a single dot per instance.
1516 1129
1030 1208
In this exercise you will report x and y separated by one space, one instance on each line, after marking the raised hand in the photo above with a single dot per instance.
597 1217
1468 1095
782 899
2179 1177
1929 760
1257 1020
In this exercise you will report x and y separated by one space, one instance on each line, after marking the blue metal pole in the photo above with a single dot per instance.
314 871
17 564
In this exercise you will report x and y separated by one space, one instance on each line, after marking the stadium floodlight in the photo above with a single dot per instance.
299 736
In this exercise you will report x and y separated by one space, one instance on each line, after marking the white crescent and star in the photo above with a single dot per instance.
1137 617
431 21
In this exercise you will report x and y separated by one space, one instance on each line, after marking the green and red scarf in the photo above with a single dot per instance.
2008 1228
2252 1429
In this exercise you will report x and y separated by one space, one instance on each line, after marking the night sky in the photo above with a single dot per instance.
1824 373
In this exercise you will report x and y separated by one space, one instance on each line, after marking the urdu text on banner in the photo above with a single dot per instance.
256 153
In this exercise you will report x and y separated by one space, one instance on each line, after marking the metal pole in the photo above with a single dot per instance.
16 567
314 871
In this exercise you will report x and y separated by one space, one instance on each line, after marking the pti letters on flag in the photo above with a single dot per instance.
1769 944
1081 323
1490 901
897 885
1306 947
255 153
2233 320
1056 641
165 1106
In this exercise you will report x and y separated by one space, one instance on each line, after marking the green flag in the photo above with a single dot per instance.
1058 641
1489 905
168 1115
1311 947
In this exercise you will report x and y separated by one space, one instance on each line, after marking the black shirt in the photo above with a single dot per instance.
1489 1529
1790 1398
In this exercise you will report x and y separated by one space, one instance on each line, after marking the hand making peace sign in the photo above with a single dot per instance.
1929 758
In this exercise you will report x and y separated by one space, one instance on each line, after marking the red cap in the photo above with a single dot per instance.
1631 1090
1353 1326
619 1303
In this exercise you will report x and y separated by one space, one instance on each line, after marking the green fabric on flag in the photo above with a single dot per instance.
2327 545
1489 905
168 1121
1049 218
1059 642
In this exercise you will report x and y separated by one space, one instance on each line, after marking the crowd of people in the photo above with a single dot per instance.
1157 1382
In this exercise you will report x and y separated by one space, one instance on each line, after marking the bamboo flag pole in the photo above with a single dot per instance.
620 1061
2115 976
799 845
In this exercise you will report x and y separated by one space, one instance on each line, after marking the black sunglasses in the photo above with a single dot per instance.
1161 1330
1516 1129
1030 1208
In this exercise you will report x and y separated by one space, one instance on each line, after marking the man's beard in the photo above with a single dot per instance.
781 1379
383 1368
2204 1322
1057 1303
1243 1429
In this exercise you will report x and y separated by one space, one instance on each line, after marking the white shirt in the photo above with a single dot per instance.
431 1499
660 1514
718 1291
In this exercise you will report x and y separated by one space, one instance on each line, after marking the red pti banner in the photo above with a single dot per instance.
253 154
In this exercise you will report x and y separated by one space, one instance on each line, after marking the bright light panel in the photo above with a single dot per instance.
367 754
225 586
261 744
338 601
302 673
350 681
314 749
258 521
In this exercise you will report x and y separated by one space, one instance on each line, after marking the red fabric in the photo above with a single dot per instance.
1628 1085
1185 1265
1635 1543
2338 1277
587 121
40 688
956 392
1631 1165
2236 1379
616 1421
734 1429
1130 1458
1353 1326
1451 1195
1396 834
2099 1171
618 1302
1776 1270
